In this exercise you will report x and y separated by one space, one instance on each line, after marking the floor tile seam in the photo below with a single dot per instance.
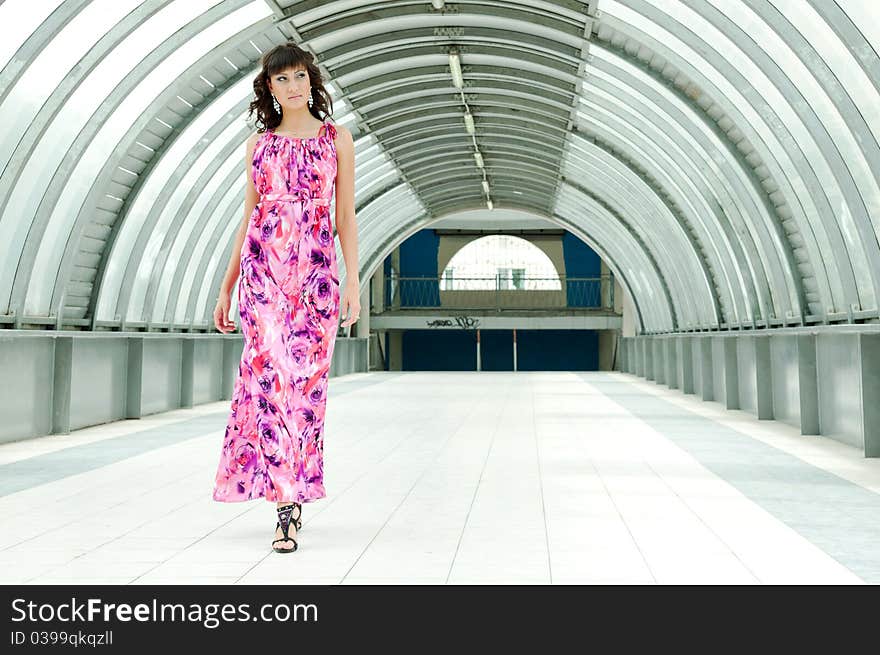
118 537
405 438
626 525
706 525
475 408
750 440
681 401
776 517
475 492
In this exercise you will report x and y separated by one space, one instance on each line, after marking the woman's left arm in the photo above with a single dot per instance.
346 224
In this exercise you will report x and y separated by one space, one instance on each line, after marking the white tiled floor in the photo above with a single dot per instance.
460 478
834 456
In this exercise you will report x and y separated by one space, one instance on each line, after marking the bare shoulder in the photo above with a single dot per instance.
252 140
343 137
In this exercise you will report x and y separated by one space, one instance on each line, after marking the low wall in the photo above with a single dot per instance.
58 381
822 380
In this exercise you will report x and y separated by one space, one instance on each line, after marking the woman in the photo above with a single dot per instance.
288 292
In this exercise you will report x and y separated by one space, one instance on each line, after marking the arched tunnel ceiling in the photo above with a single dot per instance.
721 155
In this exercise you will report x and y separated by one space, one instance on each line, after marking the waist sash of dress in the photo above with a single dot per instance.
294 197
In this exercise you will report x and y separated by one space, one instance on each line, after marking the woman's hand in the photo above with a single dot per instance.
221 314
351 301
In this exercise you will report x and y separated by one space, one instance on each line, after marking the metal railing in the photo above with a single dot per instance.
500 292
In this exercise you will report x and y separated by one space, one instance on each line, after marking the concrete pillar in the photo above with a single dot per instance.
187 371
869 355
395 350
648 345
61 385
731 373
378 283
763 376
135 374
639 350
604 286
686 364
395 264
659 359
707 391
671 362
808 383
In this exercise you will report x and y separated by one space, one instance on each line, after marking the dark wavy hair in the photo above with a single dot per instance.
279 58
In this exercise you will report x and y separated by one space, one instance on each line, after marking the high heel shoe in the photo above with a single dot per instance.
284 519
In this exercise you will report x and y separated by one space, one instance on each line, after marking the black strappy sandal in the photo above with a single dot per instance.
284 517
299 522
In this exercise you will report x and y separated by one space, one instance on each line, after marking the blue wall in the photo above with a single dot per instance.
537 350
557 350
580 261
418 254
418 258
439 350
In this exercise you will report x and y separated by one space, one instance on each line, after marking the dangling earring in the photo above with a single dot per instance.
276 105
311 101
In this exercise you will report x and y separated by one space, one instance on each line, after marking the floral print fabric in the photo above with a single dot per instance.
288 301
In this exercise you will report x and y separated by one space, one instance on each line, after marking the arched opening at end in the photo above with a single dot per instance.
500 262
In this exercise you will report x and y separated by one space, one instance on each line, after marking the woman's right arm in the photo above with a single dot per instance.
250 201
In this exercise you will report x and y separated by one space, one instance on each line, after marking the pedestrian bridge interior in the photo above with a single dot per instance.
619 266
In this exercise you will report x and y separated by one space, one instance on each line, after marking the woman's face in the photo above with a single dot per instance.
291 87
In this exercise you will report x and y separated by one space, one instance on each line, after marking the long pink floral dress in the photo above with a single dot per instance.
288 300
